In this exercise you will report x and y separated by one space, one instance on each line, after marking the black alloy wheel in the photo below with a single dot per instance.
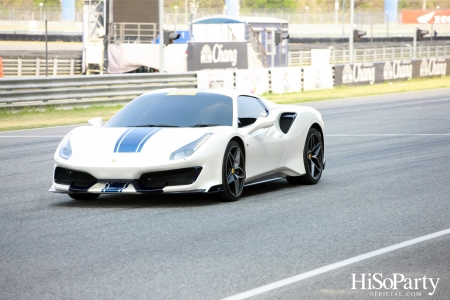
312 158
233 173
83 196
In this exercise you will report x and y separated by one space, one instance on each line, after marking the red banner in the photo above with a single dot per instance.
425 16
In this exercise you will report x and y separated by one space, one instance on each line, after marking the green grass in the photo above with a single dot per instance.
362 90
51 116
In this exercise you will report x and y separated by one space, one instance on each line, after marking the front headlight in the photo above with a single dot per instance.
190 148
65 151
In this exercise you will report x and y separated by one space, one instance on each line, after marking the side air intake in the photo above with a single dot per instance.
286 121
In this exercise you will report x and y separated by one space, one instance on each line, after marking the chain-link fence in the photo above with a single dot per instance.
183 16
36 14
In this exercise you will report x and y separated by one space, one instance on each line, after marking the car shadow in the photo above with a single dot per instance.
170 200
141 200
267 187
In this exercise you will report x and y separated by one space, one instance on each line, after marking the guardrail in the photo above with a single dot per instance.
19 67
341 56
115 89
78 90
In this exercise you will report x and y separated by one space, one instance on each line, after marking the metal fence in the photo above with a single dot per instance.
85 90
341 56
18 67
140 33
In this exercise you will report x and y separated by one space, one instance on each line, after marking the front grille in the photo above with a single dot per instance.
170 178
74 178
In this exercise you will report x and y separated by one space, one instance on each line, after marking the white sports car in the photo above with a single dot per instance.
191 141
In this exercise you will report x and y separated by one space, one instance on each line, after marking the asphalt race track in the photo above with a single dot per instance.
386 182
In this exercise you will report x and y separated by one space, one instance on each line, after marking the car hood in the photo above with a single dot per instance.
158 143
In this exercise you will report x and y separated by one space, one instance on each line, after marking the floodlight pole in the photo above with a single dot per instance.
46 49
431 36
342 18
161 36
414 43
350 40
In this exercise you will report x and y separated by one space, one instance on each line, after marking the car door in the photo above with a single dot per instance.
265 147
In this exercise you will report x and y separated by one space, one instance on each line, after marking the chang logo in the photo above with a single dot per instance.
364 73
206 55
424 69
387 71
437 67
347 74
224 55
218 55
402 69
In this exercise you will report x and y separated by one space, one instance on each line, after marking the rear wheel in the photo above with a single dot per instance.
83 196
233 173
312 159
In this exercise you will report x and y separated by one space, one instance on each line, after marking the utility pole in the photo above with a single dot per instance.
161 36
343 17
336 12
350 39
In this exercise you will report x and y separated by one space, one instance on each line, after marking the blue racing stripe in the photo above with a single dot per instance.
121 139
142 143
135 138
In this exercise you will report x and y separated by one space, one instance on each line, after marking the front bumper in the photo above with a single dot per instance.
184 180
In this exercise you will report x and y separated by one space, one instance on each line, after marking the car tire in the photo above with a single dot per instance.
83 196
233 173
312 159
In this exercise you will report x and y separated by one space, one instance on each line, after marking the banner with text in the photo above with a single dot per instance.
370 73
223 55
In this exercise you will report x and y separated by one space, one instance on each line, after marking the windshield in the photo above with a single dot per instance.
176 109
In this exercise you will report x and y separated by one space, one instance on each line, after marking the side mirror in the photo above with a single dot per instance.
261 123
96 122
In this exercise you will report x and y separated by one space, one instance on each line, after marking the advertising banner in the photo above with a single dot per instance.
253 81
215 79
286 80
317 77
223 55
357 74
370 73
425 16
433 67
